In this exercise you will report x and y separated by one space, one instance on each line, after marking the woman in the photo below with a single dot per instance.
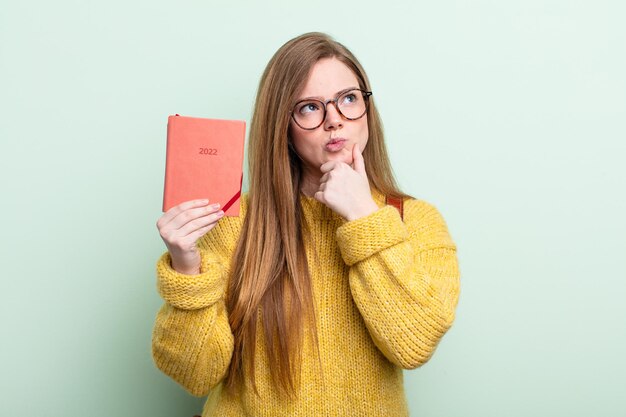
313 300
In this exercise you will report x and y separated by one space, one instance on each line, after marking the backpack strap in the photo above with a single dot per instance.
398 203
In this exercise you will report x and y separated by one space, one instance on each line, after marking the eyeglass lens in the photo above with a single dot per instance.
309 114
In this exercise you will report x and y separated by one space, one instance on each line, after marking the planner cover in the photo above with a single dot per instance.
204 159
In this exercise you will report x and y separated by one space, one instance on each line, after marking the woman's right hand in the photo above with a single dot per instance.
181 227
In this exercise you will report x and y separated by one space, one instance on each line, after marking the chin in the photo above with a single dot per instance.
345 157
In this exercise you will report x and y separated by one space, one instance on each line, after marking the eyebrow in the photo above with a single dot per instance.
345 90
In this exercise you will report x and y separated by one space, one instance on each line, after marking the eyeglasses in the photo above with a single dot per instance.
352 104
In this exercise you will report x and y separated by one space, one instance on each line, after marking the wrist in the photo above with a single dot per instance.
364 210
185 268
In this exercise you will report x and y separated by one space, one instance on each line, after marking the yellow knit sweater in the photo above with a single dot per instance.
385 293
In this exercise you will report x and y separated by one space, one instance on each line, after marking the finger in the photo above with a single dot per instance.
197 234
325 178
176 210
199 223
186 217
192 214
319 196
358 164
186 237
328 166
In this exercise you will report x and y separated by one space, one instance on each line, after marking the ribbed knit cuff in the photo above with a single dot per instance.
191 292
361 238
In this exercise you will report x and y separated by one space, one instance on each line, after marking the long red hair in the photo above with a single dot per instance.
270 284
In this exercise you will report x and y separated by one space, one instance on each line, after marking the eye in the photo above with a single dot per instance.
308 107
349 98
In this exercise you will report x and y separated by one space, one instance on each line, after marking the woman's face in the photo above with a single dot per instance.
334 139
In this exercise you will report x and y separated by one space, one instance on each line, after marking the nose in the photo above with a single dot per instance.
333 119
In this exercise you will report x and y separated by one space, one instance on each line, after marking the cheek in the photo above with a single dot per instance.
295 138
302 143
299 147
364 134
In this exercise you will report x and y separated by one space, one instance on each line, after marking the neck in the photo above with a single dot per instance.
310 181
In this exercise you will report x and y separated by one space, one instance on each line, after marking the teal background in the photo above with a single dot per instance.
508 116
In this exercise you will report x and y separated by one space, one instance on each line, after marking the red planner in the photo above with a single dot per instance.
204 159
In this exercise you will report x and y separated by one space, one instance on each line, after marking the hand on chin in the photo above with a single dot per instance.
344 155
344 187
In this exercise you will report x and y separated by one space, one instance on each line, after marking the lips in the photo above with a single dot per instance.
335 144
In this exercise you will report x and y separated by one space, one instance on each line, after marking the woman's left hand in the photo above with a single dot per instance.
345 189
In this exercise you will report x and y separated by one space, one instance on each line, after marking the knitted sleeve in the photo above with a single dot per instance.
192 340
404 279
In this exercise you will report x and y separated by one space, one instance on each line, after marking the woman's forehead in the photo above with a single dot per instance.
328 77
